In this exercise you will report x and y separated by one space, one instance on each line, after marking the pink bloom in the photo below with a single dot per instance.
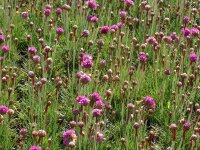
105 29
96 112
5 48
194 57
36 58
58 11
59 31
69 138
120 24
86 56
186 19
99 136
95 97
114 27
122 14
129 2
2 39
87 64
99 104
149 102
32 50
152 41
84 79
92 4
85 33
47 11
187 126
167 71
25 15
3 109
185 32
82 100
35 148
194 32
142 57
92 19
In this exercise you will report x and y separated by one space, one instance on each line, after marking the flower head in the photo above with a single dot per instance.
87 64
194 32
99 136
82 100
149 102
25 15
59 31
105 29
58 11
69 138
186 19
95 97
2 39
96 112
84 79
194 57
3 109
32 50
36 58
142 57
47 11
92 4
99 104
35 148
185 32
5 48
92 19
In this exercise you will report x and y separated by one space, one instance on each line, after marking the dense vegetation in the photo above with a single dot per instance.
99 74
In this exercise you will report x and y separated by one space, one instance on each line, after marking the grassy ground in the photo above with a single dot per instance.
55 83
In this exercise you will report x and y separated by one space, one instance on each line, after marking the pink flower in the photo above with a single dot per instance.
149 102
186 19
35 148
86 56
152 41
194 57
194 31
92 19
82 100
47 11
59 31
87 64
69 138
186 126
5 48
84 79
3 109
99 136
142 57
185 32
114 27
95 97
129 2
122 14
25 15
100 104
2 39
105 29
32 50
92 4
58 11
96 112
36 58
167 71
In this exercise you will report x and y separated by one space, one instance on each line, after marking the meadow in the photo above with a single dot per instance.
99 74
